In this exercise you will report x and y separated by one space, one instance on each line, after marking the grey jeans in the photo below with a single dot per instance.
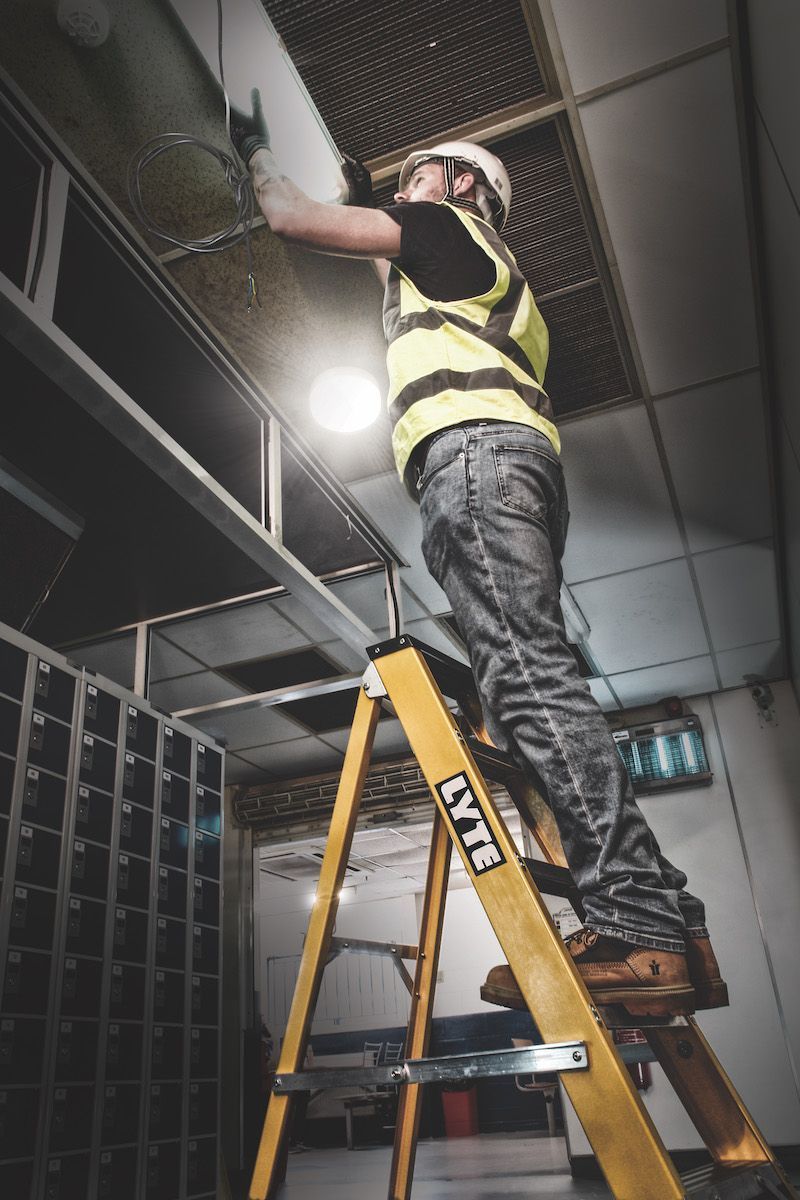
494 518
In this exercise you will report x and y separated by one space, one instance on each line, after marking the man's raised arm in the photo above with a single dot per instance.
289 212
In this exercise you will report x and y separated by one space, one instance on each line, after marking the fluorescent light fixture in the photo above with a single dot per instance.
254 57
345 399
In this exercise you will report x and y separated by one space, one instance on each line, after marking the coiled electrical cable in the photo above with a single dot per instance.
237 178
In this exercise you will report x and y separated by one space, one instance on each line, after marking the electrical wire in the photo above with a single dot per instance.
237 178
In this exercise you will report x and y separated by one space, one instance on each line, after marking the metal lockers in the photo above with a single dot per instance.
110 825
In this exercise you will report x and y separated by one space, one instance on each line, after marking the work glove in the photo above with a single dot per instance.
359 182
249 133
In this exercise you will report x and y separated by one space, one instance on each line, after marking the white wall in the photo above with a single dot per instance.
756 775
774 33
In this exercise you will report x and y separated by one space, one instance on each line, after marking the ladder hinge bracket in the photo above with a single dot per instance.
372 683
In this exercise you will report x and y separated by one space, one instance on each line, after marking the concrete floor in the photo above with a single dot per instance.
492 1166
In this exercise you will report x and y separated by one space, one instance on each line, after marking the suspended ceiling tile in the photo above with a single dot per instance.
236 634
665 155
389 739
739 594
366 596
608 39
774 31
643 617
621 516
238 770
687 678
249 727
716 445
185 691
780 224
167 661
115 658
766 660
387 503
346 657
602 695
291 760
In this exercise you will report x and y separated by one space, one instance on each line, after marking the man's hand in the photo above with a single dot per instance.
249 133
359 182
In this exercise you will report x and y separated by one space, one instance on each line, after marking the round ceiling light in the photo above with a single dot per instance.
345 399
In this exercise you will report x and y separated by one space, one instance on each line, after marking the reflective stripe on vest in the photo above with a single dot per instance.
460 360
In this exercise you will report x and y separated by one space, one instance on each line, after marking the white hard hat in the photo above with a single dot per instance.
493 188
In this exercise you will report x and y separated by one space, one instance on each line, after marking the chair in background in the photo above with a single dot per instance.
545 1088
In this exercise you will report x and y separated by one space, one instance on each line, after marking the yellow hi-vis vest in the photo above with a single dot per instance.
463 360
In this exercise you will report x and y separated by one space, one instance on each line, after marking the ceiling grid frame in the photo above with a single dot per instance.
573 116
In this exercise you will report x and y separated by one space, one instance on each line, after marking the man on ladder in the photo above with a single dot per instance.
475 444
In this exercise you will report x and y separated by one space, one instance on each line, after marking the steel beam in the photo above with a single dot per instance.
73 371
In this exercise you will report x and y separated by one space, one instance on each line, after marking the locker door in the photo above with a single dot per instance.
209 767
13 667
205 999
21 1049
43 799
141 731
120 1119
10 712
206 901
19 1110
71 1119
48 743
138 780
32 917
163 1171
136 829
98 762
93 815
133 881
124 1052
81 980
67 1178
206 855
117 1177
174 796
177 751
202 1166
170 943
203 1108
54 691
130 935
207 811
127 992
86 921
101 714
76 1051
38 854
7 786
203 1053
89 875
27 982
171 892
167 1052
205 950
168 996
164 1111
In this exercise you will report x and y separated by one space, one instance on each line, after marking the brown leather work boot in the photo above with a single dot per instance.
646 982
710 989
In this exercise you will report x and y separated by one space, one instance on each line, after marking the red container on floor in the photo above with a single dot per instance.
460 1112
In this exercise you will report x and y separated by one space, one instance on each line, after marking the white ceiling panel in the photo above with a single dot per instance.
114 658
641 617
185 691
716 446
620 512
387 503
348 658
602 695
252 727
237 634
739 594
688 678
389 739
607 39
366 596
167 661
782 237
774 36
238 770
291 760
766 659
665 155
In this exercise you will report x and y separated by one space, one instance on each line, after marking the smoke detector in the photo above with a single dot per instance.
85 22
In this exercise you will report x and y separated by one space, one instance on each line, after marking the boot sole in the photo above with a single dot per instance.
648 1001
504 998
711 995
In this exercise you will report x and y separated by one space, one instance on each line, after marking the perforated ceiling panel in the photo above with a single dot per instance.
389 75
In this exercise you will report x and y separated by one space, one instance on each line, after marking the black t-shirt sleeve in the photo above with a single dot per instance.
438 254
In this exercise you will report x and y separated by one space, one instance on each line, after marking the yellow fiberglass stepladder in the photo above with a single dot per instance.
455 757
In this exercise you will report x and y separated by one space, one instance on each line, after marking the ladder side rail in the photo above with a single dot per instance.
628 1147
419 1023
710 1099
316 948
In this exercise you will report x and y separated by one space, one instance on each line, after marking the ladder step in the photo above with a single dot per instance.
525 1060
744 1181
494 764
551 879
453 677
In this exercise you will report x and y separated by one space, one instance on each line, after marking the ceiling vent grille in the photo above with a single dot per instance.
390 75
